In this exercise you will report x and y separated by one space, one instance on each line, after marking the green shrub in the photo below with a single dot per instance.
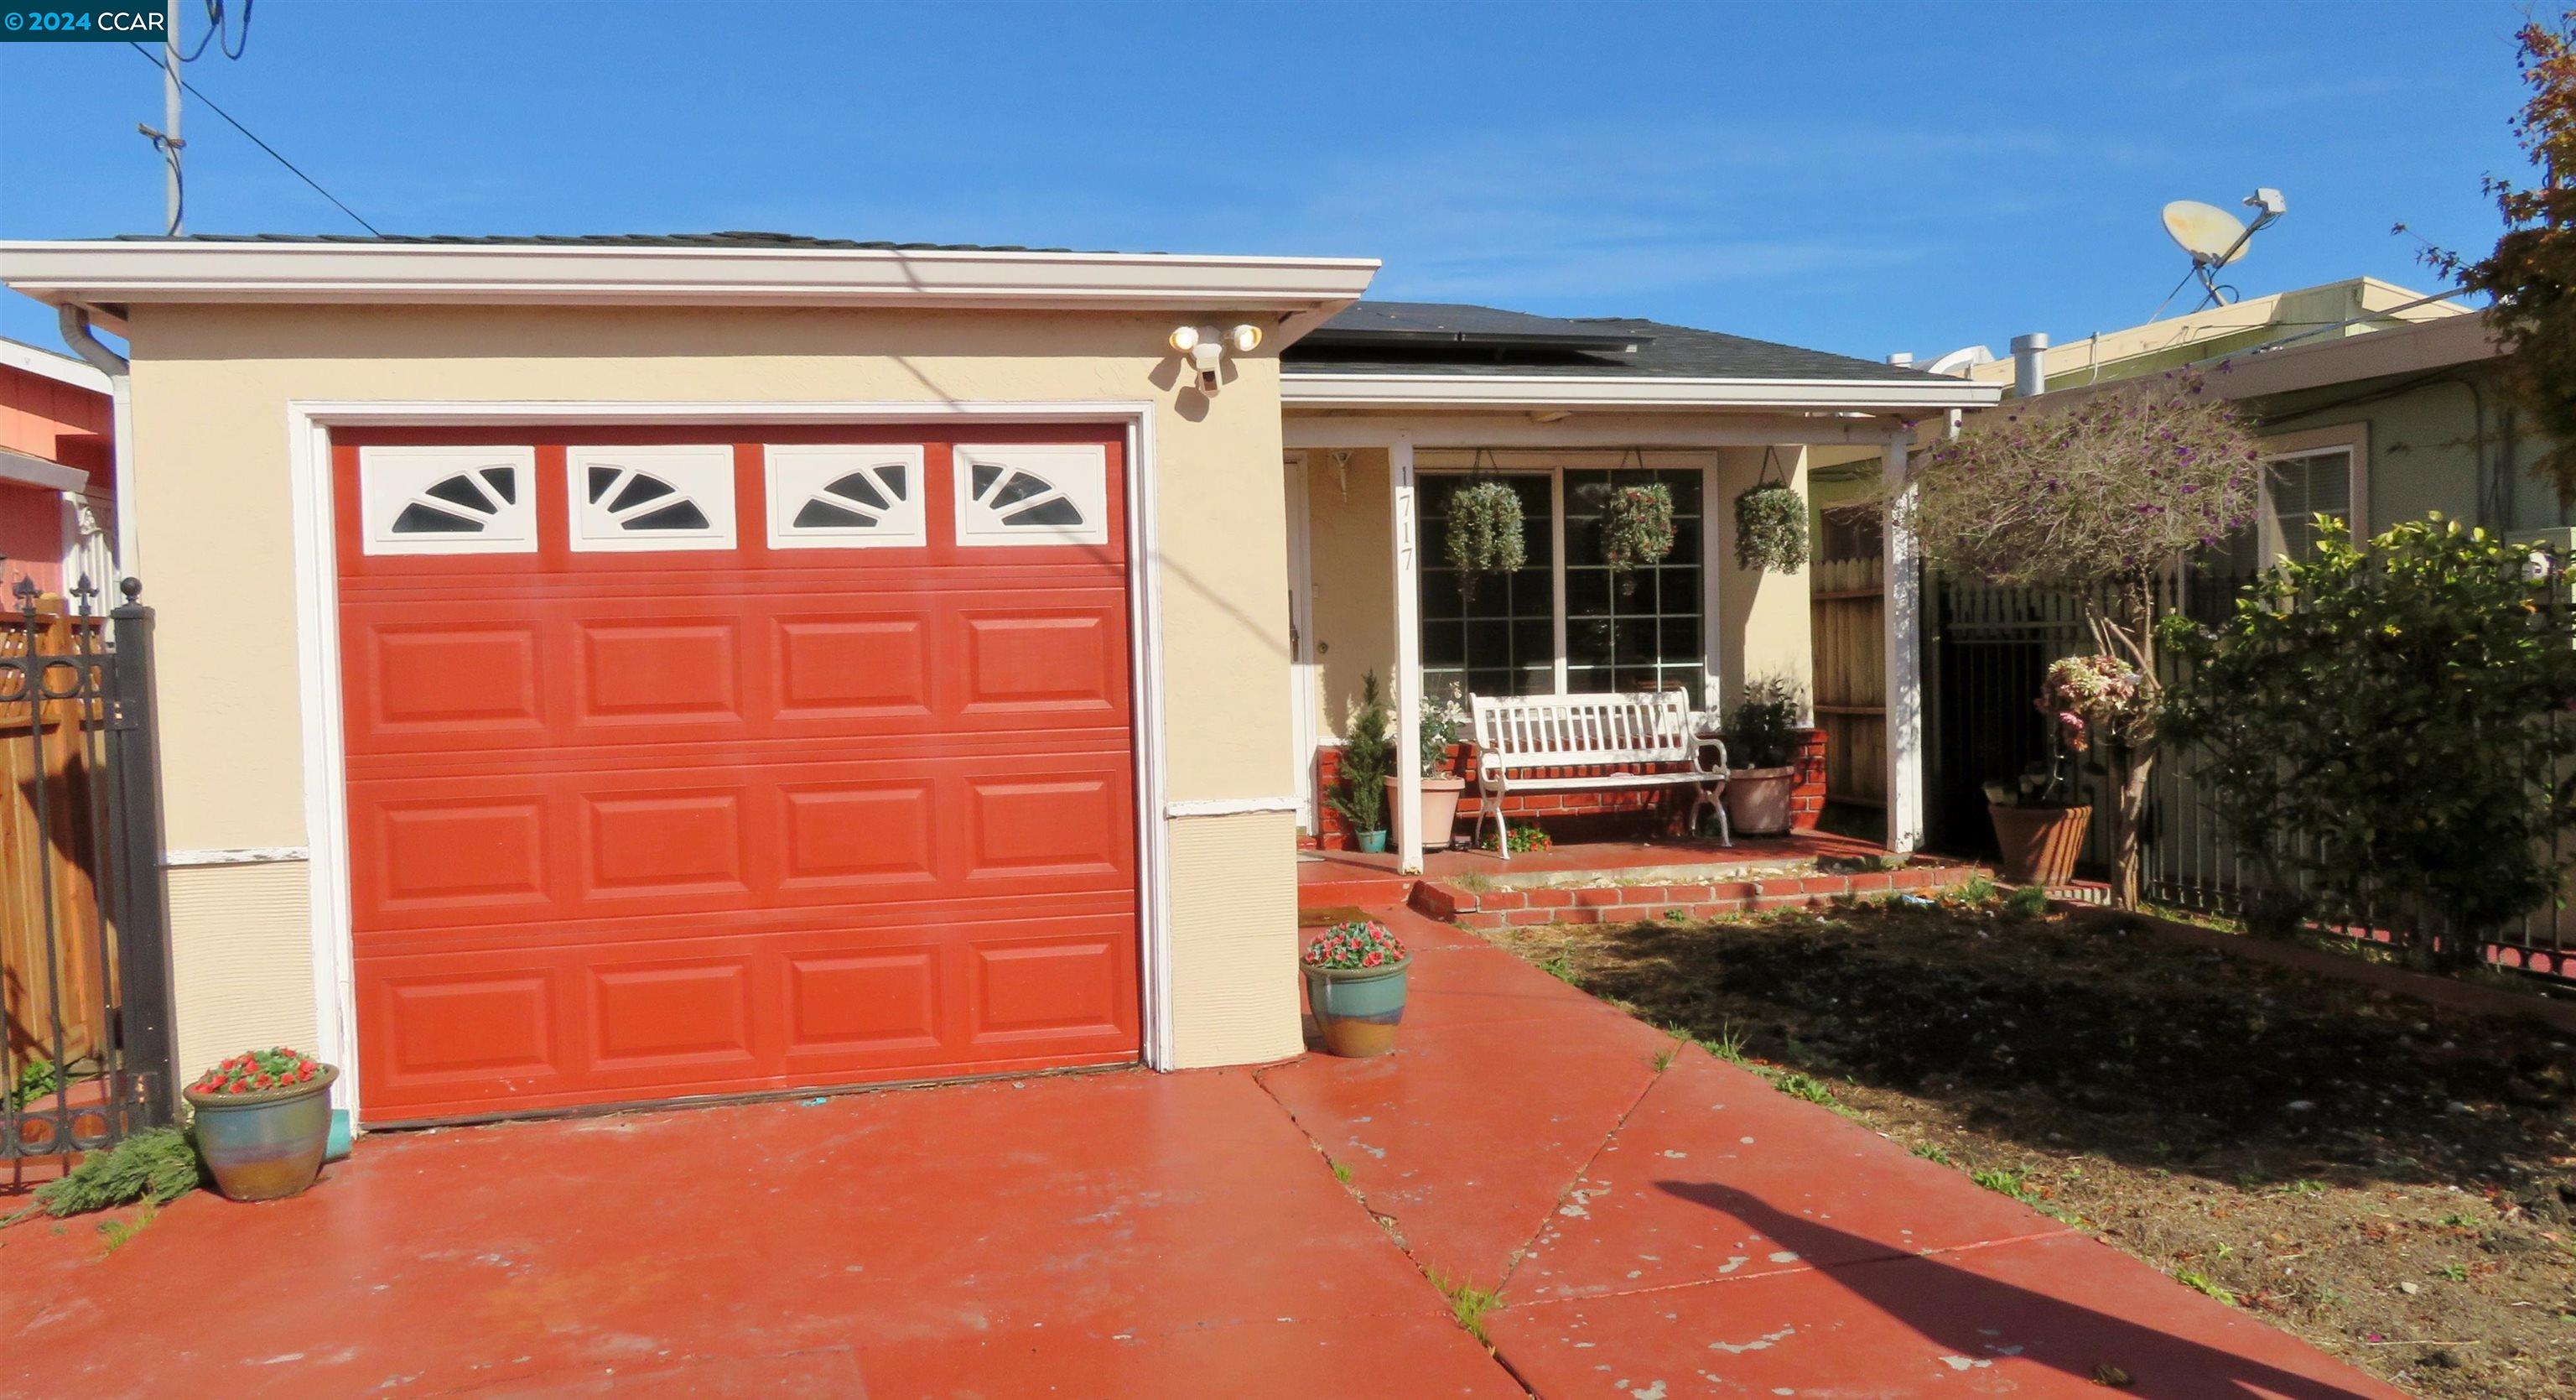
2382 725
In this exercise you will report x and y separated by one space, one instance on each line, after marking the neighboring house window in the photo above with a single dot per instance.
1616 636
1503 641
2296 490
651 498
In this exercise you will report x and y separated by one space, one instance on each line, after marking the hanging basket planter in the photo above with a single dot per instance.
1771 522
1486 534
1636 530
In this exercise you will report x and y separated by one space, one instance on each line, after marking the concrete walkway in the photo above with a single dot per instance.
1655 1233
1688 1230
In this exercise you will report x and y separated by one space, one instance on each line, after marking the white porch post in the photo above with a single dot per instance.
1904 662
1405 822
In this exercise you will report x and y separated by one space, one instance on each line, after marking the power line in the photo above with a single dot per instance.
236 125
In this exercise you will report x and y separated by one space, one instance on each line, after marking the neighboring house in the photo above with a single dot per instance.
613 670
56 472
2376 404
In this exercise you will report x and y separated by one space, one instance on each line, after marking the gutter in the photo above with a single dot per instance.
73 320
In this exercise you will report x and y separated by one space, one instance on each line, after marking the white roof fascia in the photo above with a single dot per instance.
27 469
110 272
62 369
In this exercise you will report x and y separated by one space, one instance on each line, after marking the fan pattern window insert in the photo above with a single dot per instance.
834 496
651 498
447 500
1054 493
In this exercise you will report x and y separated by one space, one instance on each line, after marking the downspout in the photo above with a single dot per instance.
74 324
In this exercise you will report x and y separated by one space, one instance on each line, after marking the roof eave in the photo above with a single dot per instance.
1516 392
111 273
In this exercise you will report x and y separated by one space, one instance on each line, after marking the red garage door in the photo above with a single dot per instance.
696 764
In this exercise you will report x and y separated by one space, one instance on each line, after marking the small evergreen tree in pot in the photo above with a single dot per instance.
1368 754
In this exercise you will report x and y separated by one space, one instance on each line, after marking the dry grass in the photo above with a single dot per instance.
2394 1183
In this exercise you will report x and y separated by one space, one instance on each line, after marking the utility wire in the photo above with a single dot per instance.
254 140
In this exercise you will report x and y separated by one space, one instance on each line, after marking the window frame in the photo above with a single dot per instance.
511 529
700 474
793 474
1561 667
2351 441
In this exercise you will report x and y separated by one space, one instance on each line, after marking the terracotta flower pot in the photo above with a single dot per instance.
1439 809
1757 800
2039 844
265 1145
1357 1009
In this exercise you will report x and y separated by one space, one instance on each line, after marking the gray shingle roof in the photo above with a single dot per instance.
1663 352
1456 323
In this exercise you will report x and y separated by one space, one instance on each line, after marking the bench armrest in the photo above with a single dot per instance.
1701 761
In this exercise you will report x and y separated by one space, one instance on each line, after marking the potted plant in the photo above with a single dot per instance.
2039 827
1360 794
263 1120
1771 527
1762 750
1636 530
1441 718
1486 535
1355 987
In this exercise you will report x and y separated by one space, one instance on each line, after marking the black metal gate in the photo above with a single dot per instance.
85 1045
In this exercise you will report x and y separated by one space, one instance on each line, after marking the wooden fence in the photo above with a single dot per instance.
55 938
1848 617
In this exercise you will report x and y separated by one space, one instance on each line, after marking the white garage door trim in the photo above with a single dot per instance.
317 595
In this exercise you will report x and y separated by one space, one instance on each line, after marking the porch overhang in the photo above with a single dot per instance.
1315 422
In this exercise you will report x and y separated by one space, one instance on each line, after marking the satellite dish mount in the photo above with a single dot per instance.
2215 237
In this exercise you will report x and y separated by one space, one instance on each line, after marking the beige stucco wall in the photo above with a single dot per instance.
212 511
1761 622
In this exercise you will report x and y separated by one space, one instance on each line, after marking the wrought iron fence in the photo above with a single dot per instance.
1986 652
85 1046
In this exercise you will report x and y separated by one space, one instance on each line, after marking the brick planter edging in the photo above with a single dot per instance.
2443 992
1628 904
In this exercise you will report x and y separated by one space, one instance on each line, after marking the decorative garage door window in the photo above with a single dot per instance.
1032 495
447 500
636 498
827 496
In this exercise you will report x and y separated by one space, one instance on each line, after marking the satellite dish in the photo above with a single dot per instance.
2215 238
2212 236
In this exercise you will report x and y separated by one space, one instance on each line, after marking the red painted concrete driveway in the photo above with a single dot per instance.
1655 1233
1095 1235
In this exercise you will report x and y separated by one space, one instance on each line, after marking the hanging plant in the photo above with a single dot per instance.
1771 528
1485 534
1636 529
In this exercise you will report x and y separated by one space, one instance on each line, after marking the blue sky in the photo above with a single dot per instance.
1861 178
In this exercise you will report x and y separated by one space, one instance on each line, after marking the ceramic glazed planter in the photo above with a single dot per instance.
2039 844
1373 842
266 1145
1757 800
1357 1009
1439 809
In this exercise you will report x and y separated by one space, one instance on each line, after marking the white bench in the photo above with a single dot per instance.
1519 738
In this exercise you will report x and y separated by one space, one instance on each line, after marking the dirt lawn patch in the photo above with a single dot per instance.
2391 1182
